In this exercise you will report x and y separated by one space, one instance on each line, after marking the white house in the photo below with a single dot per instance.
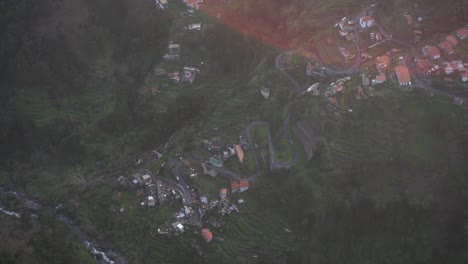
366 21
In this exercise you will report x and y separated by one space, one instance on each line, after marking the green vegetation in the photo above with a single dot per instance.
387 184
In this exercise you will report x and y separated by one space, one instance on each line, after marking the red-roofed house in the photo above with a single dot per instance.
244 186
366 21
462 33
403 75
380 79
240 186
431 51
452 39
424 65
239 152
207 235
235 187
447 47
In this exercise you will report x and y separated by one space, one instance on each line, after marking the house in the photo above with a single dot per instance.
452 39
448 68
223 193
171 57
447 47
366 21
216 161
464 76
207 235
193 4
196 26
265 91
178 227
173 48
431 51
345 26
379 79
424 65
151 201
235 187
403 75
382 61
310 69
243 186
458 65
462 33
239 152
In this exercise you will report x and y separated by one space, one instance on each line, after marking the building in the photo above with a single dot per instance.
462 33
265 91
432 52
193 4
238 187
243 186
448 68
452 39
424 65
151 201
239 152
223 193
310 69
403 75
235 187
207 235
173 48
382 61
379 79
464 76
366 21
196 26
447 47
365 80
178 227
458 65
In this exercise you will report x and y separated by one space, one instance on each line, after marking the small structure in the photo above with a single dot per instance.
382 61
193 4
366 21
462 33
365 80
178 227
310 69
212 173
173 48
403 75
239 152
207 235
379 79
346 54
216 161
431 51
196 26
151 201
265 91
452 39
243 186
464 76
447 47
223 193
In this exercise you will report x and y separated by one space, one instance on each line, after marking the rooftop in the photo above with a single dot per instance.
403 74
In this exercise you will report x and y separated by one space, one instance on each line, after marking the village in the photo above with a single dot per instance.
396 67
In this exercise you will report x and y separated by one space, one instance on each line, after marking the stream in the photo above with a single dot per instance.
108 256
